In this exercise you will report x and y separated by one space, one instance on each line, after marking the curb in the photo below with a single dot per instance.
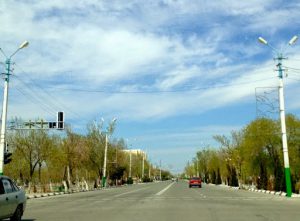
40 195
294 195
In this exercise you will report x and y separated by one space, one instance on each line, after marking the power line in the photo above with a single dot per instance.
33 100
294 59
50 105
295 69
294 79
29 92
32 82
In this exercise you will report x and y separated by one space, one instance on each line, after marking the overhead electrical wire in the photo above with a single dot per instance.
294 69
34 100
57 104
33 94
294 79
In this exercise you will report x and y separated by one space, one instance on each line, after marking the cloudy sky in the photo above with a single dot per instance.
173 72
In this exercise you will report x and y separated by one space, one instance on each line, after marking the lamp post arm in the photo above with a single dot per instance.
273 49
14 53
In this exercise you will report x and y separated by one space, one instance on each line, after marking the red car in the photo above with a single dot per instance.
195 181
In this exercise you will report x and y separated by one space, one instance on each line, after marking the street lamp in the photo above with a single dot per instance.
279 57
5 102
143 164
130 158
109 130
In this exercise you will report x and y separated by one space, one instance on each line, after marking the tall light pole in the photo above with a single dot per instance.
130 163
110 130
160 170
197 166
130 158
279 57
105 162
5 103
143 165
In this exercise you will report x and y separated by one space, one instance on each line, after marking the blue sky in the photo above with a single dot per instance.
173 72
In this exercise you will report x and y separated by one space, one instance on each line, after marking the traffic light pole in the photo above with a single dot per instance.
4 114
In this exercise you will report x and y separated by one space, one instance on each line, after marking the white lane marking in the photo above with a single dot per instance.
164 190
122 194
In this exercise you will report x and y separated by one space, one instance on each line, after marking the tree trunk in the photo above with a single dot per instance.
40 168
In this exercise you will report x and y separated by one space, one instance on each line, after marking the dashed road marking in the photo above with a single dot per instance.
164 190
133 191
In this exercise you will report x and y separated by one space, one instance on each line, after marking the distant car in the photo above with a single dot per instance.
12 200
195 181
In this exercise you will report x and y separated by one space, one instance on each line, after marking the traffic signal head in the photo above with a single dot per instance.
52 125
7 157
60 121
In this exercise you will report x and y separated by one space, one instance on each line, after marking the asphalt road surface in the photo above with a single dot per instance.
164 201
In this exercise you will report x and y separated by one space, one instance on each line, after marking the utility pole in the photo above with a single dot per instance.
143 166
197 168
283 129
160 170
279 58
108 132
5 103
105 162
130 163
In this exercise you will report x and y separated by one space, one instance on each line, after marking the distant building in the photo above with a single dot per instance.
136 152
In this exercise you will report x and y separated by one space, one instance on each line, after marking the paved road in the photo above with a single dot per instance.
164 201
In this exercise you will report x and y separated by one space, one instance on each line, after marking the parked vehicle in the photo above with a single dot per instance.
195 181
12 200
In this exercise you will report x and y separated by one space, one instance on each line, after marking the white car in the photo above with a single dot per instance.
12 200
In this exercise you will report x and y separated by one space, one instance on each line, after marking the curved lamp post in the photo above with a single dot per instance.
5 102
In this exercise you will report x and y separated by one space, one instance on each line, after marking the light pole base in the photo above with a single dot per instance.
103 181
288 182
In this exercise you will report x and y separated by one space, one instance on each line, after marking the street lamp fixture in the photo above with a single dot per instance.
293 40
24 44
262 40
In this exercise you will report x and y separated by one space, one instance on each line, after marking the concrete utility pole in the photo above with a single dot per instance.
130 163
160 170
143 166
109 131
5 103
197 168
105 162
279 58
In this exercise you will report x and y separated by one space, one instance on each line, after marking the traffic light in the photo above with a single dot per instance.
7 157
60 121
52 125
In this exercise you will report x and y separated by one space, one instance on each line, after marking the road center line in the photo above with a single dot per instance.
133 191
164 190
